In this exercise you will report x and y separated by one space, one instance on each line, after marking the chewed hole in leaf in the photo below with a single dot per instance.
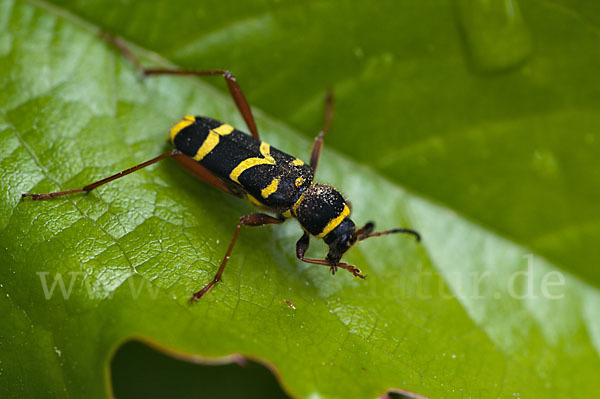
138 370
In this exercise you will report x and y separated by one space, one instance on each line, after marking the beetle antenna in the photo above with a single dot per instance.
366 232
366 229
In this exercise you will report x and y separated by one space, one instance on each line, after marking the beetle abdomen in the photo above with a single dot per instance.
269 176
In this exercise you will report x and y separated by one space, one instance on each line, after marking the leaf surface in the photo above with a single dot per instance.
72 110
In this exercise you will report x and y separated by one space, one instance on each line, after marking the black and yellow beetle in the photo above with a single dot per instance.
243 165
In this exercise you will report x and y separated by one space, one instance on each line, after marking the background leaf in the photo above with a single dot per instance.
506 137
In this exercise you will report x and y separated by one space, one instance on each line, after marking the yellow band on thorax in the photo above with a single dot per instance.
333 223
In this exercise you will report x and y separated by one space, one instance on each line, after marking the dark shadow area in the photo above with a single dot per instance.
394 395
138 370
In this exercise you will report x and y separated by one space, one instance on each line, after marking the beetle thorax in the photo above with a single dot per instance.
321 209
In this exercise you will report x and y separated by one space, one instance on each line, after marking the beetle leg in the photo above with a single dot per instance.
234 88
253 219
95 184
315 154
302 247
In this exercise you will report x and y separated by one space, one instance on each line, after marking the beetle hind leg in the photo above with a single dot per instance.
98 183
234 88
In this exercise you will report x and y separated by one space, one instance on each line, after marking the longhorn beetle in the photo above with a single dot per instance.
245 166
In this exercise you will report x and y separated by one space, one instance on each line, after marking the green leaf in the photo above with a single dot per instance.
497 148
477 105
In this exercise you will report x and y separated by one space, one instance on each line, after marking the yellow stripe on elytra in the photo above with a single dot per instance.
223 130
179 126
270 189
254 200
297 162
265 150
212 140
287 214
209 144
333 223
299 181
297 204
